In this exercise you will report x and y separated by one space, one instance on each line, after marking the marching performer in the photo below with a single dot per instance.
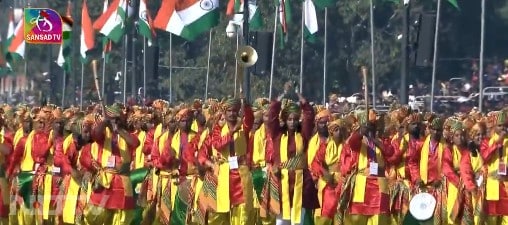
30 155
366 160
473 173
326 166
229 146
426 167
6 147
288 160
109 158
494 155
67 159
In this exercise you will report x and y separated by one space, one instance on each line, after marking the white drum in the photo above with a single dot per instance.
422 206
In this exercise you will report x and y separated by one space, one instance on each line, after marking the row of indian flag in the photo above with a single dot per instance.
185 18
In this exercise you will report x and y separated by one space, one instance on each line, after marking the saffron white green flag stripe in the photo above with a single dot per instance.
64 56
87 33
112 23
255 19
144 22
189 18
10 34
311 24
17 42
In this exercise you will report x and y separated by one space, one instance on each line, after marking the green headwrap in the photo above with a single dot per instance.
232 103
456 125
501 118
113 111
437 123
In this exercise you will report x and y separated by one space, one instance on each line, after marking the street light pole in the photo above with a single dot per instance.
404 68
246 72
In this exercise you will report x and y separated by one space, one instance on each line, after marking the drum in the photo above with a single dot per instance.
422 206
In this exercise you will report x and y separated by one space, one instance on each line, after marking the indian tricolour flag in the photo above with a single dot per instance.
235 9
310 20
87 33
16 48
64 56
112 23
145 22
187 18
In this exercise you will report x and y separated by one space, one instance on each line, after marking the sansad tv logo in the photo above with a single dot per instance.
42 26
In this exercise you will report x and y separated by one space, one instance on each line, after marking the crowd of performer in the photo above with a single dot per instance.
229 162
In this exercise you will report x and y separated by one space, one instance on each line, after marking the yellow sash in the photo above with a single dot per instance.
363 169
175 142
312 148
160 142
332 157
17 136
27 163
140 156
202 138
295 213
424 159
404 146
453 191
492 185
2 139
240 143
259 145
48 178
106 177
194 125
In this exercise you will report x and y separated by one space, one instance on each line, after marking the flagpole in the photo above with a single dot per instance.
64 84
208 63
324 55
272 66
170 67
372 56
26 75
103 85
81 86
482 47
301 47
434 61
125 50
144 68
236 65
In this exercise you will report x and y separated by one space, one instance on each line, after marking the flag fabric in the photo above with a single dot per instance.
10 33
454 3
16 48
4 65
145 23
285 18
64 56
112 22
106 43
322 4
87 33
187 18
310 20
235 9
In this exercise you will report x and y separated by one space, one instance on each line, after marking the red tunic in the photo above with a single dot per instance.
331 193
218 141
68 160
433 173
489 154
114 197
309 199
187 157
40 150
4 163
375 202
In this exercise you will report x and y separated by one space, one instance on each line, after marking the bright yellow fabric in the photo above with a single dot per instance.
95 215
202 138
240 143
194 125
259 146
160 146
355 219
312 148
48 179
140 156
25 216
492 185
453 191
401 168
106 153
17 136
363 168
424 158
71 199
175 142
27 163
2 139
332 157
288 213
